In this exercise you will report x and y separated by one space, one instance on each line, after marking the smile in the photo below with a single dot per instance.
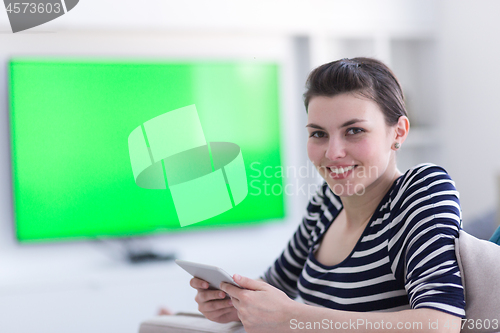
341 170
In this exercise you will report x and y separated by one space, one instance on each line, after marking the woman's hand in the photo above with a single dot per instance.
213 304
261 307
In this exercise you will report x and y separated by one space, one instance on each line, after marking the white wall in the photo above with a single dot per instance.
470 117
286 16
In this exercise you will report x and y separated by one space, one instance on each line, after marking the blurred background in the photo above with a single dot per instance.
445 53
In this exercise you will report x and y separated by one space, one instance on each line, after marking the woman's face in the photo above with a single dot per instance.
349 142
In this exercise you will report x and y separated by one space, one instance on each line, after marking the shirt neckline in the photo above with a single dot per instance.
367 227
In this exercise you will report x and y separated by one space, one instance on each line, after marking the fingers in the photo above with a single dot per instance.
212 303
223 315
164 312
231 290
215 305
198 283
248 283
235 302
209 295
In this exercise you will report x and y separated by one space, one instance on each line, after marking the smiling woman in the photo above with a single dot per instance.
374 239
352 147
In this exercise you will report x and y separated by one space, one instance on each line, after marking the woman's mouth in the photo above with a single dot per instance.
340 172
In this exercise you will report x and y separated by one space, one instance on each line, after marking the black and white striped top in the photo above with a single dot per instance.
411 233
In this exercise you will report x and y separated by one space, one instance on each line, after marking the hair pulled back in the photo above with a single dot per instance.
365 76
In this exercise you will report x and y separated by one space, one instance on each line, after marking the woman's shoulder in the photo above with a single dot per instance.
426 186
426 202
425 175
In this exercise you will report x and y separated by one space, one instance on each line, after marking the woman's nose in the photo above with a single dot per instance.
335 149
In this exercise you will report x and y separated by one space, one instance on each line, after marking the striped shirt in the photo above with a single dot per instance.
404 259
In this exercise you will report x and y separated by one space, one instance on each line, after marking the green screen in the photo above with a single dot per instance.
70 121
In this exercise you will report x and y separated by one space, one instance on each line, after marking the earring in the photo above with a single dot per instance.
397 145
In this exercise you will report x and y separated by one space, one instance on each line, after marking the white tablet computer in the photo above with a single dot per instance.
212 274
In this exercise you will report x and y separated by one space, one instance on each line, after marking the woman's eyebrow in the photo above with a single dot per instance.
347 123
352 121
315 126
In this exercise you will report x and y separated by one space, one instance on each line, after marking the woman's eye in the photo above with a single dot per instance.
318 134
354 130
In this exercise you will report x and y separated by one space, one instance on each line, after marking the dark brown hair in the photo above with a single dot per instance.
366 76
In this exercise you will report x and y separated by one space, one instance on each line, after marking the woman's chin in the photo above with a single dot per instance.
345 189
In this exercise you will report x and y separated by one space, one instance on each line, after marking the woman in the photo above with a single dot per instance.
374 240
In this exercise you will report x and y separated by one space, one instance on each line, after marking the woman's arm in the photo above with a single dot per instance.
263 308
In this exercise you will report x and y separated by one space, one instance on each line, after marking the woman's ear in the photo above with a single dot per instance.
401 130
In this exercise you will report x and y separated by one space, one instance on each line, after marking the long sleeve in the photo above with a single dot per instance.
424 246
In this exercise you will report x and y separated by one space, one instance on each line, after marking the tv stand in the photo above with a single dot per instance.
138 250
138 257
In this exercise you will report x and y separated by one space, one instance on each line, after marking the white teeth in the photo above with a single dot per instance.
341 170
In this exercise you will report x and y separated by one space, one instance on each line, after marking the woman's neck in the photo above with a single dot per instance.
360 208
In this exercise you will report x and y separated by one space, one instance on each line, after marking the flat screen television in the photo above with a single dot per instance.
70 123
